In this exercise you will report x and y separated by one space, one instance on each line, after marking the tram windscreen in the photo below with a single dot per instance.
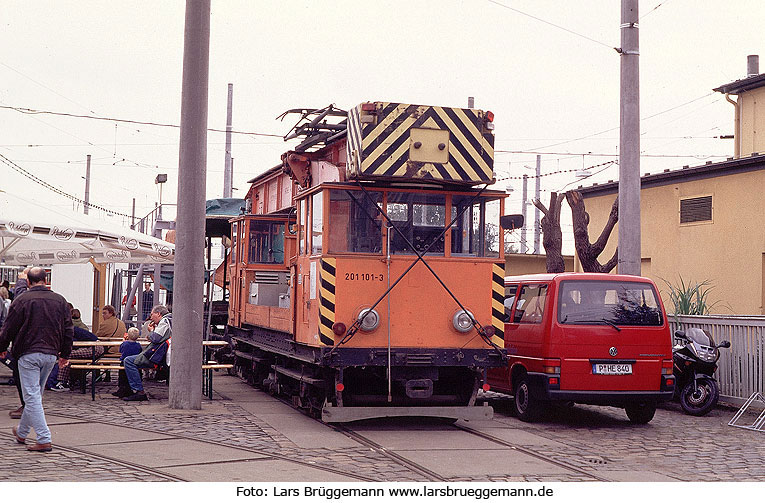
420 220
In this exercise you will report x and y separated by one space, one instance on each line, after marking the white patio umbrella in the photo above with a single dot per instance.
31 233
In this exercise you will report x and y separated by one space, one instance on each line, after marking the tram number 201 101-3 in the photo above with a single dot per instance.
363 276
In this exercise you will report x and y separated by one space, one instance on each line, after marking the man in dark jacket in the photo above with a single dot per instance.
20 287
39 325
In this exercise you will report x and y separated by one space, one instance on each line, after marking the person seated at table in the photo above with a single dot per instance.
65 377
161 331
128 348
77 319
110 326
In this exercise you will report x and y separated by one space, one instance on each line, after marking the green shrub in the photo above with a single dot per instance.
692 298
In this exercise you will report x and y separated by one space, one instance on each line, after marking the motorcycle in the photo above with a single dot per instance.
695 362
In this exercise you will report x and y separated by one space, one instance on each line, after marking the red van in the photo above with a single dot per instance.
590 338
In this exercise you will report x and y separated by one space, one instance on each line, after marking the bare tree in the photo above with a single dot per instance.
589 252
552 237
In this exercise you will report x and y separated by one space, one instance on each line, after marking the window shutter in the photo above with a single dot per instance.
696 209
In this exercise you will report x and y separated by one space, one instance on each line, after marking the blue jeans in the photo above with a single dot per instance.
34 369
133 373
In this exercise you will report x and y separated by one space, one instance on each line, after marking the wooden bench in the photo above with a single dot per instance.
110 363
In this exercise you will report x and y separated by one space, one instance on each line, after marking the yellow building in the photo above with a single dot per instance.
517 264
705 223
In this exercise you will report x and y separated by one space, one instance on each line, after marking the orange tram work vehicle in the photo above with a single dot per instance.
367 271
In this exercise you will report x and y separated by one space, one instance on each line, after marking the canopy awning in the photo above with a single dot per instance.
31 233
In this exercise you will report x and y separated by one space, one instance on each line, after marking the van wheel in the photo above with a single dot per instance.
640 412
526 407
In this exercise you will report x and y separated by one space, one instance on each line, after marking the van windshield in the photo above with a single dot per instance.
624 303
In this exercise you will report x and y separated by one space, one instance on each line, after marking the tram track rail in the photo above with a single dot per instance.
396 458
393 458
433 476
529 452
150 471
172 478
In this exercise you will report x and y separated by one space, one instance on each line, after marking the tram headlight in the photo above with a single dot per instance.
369 321
463 321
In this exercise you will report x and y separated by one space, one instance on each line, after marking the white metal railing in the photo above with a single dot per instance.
741 368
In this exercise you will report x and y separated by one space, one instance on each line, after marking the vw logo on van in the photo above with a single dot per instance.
613 351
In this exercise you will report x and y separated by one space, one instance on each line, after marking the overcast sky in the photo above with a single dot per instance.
546 68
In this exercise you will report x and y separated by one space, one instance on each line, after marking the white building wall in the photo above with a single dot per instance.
75 283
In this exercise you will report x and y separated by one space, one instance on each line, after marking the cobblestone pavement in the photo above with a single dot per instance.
687 448
67 465
595 442
234 427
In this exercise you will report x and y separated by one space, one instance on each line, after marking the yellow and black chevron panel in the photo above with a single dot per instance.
327 301
498 303
424 142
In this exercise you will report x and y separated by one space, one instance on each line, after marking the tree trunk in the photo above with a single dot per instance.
552 237
588 252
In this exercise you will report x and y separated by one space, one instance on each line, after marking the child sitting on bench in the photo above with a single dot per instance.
128 348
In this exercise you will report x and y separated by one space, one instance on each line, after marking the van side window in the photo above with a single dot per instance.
510 292
531 304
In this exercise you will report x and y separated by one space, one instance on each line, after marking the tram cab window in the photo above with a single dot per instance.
234 241
302 224
266 242
493 239
476 231
317 222
419 217
354 222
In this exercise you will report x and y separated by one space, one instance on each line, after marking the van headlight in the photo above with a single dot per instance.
370 321
463 321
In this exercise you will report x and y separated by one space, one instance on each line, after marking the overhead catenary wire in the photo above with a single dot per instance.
617 127
596 154
55 189
557 172
72 135
48 88
653 10
32 111
518 11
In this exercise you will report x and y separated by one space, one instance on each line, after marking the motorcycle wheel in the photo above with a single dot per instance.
700 401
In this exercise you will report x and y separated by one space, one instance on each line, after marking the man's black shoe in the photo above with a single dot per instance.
121 393
137 397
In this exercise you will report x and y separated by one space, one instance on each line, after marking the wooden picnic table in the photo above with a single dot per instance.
93 366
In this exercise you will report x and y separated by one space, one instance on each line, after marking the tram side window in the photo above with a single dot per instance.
266 243
234 241
531 304
466 230
317 222
354 222
242 245
421 218
492 238
302 224
476 231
